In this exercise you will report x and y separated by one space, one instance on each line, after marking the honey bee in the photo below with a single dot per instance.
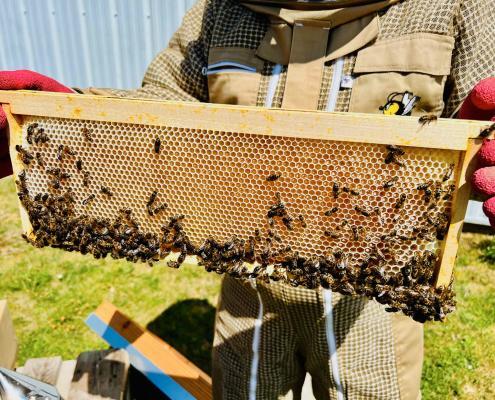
395 149
427 119
40 160
86 178
21 183
342 260
273 177
53 171
106 191
389 236
176 218
54 184
448 173
331 212
88 199
427 195
358 232
400 202
332 234
287 221
30 132
87 133
442 228
424 234
60 152
302 221
151 200
438 193
79 165
257 234
278 209
487 131
40 136
273 235
157 145
160 208
351 191
391 182
362 211
394 155
336 190
449 194
379 214
25 156
424 186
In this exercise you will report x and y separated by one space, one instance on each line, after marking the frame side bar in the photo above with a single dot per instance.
460 202
15 138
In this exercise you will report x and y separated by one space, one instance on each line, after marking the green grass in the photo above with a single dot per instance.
50 293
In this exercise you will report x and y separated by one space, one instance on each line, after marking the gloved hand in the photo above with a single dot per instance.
17 80
480 105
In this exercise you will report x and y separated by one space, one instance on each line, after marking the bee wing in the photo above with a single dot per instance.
410 105
405 98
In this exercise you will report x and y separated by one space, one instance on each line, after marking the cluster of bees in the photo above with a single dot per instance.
263 257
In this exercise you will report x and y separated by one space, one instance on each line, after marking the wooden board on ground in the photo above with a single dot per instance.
8 340
100 375
64 378
43 369
169 370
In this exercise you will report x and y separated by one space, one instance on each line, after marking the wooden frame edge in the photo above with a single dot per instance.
465 170
380 129
15 138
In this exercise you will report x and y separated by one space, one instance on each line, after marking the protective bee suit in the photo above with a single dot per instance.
394 57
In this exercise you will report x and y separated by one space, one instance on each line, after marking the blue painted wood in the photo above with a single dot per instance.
164 382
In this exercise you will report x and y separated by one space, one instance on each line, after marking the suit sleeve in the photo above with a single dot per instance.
474 54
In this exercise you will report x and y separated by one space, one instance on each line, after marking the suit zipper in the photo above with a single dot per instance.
327 294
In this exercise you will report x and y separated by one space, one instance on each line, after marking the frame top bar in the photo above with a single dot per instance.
350 127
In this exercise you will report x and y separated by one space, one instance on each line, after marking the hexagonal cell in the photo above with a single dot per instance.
218 180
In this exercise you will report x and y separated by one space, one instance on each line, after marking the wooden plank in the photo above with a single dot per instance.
15 138
43 369
352 127
100 375
8 340
161 361
461 198
64 378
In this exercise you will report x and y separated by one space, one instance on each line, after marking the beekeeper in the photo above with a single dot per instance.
391 56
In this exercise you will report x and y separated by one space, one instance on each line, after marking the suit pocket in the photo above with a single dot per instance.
416 64
234 76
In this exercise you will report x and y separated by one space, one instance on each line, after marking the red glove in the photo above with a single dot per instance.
17 80
480 105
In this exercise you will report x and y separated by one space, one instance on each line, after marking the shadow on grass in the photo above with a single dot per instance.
487 249
188 327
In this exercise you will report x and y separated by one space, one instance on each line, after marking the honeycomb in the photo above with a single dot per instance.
218 181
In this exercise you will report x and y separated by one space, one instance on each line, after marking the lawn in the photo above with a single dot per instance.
51 292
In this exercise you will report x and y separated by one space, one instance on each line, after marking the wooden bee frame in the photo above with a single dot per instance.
455 138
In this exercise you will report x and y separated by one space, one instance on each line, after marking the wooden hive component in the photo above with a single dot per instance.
169 370
214 160
8 339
